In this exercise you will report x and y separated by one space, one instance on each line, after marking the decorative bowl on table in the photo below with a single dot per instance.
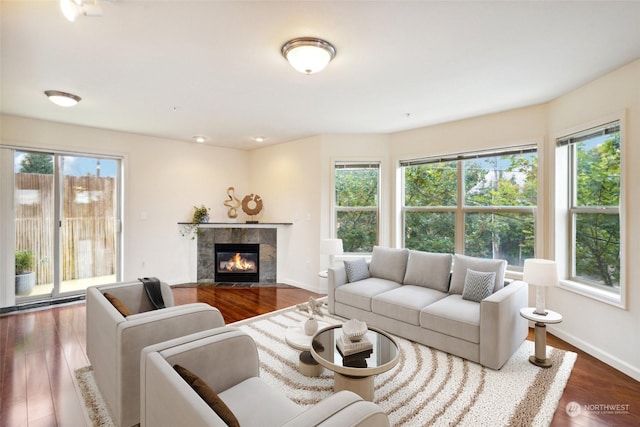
354 329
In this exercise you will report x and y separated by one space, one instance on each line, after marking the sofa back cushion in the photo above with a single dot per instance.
428 269
461 263
388 263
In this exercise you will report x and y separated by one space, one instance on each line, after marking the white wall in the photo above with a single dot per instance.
162 178
287 177
609 333
294 180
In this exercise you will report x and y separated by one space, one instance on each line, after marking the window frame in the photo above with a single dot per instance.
564 145
342 164
460 210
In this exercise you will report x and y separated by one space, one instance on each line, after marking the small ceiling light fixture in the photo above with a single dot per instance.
71 9
308 54
200 139
63 99
259 138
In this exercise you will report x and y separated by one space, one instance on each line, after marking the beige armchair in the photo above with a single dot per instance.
226 359
114 342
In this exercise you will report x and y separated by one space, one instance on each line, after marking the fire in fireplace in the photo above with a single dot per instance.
237 262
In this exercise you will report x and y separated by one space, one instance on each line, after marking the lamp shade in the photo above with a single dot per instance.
331 246
540 272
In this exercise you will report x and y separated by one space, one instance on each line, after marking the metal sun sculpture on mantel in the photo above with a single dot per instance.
232 202
252 205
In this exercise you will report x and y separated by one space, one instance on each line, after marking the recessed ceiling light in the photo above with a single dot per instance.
63 99
259 138
199 138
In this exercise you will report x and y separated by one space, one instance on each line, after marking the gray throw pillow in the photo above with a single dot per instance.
389 263
462 262
478 285
357 269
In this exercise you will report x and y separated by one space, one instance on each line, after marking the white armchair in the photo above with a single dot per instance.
226 359
114 343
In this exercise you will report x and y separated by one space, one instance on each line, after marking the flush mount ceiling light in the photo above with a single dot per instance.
71 9
200 139
63 99
308 54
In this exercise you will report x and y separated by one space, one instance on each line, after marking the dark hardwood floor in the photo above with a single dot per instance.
40 350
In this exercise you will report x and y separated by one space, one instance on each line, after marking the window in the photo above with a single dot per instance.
357 195
480 204
593 213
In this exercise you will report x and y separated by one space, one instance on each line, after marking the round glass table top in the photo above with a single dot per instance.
382 356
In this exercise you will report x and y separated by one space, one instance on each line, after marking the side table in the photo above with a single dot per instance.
296 338
540 356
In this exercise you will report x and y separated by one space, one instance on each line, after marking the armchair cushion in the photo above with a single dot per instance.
119 305
208 395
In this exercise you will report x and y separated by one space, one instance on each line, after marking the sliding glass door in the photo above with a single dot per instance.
66 222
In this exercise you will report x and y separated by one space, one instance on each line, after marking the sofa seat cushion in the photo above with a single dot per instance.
358 294
255 403
404 303
453 316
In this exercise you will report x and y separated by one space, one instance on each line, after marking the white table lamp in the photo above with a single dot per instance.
540 273
331 247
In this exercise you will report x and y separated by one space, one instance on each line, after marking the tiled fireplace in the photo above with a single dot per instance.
226 254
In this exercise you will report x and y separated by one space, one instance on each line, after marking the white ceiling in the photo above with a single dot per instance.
175 69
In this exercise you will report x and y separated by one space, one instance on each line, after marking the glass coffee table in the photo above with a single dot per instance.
357 371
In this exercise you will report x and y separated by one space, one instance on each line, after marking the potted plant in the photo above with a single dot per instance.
25 276
200 216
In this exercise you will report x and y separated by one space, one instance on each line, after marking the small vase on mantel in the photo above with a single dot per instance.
311 326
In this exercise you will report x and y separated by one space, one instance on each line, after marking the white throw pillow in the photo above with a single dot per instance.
357 269
478 285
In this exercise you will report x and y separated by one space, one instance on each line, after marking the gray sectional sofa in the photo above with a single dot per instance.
458 304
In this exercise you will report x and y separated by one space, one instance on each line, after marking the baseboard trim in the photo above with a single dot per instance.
302 285
596 352
41 304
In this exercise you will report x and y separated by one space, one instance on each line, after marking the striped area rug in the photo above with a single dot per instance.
427 387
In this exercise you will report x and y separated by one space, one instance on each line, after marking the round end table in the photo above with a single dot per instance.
540 357
296 338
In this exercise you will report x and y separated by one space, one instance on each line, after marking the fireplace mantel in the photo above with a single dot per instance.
238 224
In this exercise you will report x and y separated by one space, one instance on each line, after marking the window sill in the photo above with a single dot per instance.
611 298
